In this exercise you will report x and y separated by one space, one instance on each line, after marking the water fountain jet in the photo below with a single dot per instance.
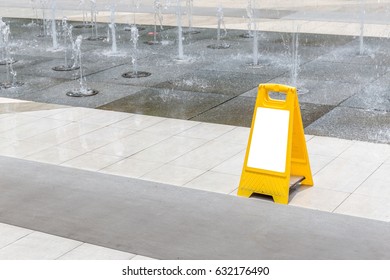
11 81
135 73
112 28
83 90
85 23
53 24
221 23
157 6
190 7
136 4
295 61
250 14
67 34
362 21
95 35
44 22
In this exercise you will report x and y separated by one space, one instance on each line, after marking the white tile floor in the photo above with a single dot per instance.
17 243
350 177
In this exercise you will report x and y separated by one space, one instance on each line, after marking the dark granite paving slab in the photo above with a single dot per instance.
318 92
269 65
161 67
343 72
354 124
220 82
23 61
45 68
107 93
167 103
32 89
375 96
312 112
237 111
375 52
167 222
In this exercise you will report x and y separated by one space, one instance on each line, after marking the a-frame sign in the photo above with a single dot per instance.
276 149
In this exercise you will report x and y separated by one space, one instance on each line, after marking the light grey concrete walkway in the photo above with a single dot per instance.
167 222
341 17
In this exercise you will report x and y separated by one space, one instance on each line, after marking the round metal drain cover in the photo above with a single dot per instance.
99 38
151 43
65 68
83 26
133 75
7 85
191 32
246 35
84 93
219 46
10 61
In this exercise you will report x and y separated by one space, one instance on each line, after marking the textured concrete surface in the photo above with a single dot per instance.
138 216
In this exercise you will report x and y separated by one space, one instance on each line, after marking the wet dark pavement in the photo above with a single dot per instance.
348 94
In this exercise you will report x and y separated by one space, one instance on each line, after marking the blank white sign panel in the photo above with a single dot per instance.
268 148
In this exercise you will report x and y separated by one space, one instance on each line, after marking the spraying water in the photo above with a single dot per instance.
295 61
253 31
362 20
4 43
112 28
134 58
250 14
255 46
67 31
53 24
221 24
180 31
134 39
11 80
190 8
83 91
94 19
94 33
294 58
158 17
44 21
33 4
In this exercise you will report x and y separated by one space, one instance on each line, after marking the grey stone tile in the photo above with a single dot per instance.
354 124
107 93
375 52
342 72
318 91
375 96
162 68
238 111
311 112
221 82
32 88
23 61
167 103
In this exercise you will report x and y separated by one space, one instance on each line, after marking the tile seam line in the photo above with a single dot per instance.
353 192
82 243
32 231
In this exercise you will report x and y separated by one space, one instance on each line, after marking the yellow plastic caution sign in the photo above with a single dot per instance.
276 148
